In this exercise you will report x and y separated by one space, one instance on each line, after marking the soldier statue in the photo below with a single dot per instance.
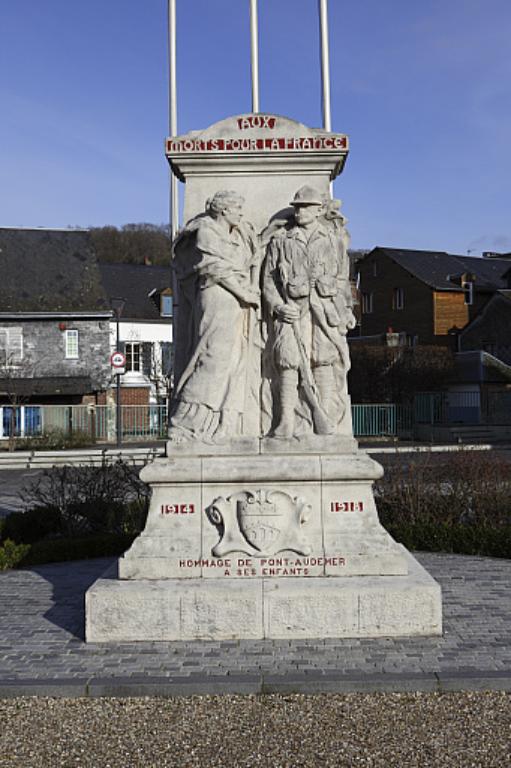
309 304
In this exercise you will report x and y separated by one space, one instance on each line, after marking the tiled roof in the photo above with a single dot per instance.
134 282
436 267
45 270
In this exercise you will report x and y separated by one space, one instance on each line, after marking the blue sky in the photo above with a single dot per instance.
423 89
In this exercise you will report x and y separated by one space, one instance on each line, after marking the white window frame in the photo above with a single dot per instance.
129 351
468 292
398 298
72 344
367 304
13 335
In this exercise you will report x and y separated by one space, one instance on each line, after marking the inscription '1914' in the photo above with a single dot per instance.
177 509
347 506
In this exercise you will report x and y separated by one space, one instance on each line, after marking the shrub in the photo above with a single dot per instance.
382 374
32 525
109 498
458 503
55 439
12 554
63 550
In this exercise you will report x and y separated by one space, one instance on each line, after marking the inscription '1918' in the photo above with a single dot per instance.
347 506
177 509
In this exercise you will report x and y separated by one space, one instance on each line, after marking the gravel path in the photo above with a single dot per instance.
398 729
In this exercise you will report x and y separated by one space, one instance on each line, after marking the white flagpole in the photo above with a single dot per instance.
255 55
174 199
173 187
325 64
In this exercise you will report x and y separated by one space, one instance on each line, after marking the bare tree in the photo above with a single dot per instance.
17 373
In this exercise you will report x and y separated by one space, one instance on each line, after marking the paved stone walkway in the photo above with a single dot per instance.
42 650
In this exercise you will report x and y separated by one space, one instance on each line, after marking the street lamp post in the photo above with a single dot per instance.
117 303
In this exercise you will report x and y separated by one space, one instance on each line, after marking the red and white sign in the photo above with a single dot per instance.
117 360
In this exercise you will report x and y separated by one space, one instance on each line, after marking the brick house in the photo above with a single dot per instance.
426 297
54 318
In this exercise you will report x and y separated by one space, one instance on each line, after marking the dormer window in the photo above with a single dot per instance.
165 305
468 290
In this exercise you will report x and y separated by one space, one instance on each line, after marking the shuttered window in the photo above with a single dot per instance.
11 345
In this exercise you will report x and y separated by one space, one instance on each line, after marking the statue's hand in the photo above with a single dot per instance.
288 313
351 320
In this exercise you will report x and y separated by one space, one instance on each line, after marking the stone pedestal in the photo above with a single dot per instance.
263 546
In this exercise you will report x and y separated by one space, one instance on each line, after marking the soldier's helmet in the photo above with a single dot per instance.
307 195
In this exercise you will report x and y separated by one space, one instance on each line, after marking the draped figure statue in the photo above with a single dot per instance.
216 262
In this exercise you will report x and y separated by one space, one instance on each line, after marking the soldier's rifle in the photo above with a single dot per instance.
322 424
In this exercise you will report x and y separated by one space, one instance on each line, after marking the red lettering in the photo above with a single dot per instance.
271 143
347 506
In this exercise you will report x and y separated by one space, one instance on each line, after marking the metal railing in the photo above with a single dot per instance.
141 422
455 407
97 422
382 420
149 422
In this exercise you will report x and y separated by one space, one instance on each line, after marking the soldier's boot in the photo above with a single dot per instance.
325 383
288 401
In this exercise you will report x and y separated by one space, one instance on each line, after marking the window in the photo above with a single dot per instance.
72 344
133 356
166 306
11 345
398 298
375 269
367 303
468 290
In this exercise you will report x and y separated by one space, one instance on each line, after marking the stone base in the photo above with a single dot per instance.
263 546
324 520
248 608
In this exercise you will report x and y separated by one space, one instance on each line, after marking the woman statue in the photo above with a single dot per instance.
216 261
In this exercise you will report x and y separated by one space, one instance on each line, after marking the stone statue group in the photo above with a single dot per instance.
260 346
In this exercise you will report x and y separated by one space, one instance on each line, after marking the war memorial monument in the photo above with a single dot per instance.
262 521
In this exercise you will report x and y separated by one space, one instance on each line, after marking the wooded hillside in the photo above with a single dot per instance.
133 244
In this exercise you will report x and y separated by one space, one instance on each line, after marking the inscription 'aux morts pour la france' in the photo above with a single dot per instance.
331 143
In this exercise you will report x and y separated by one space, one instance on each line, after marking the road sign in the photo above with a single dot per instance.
118 360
